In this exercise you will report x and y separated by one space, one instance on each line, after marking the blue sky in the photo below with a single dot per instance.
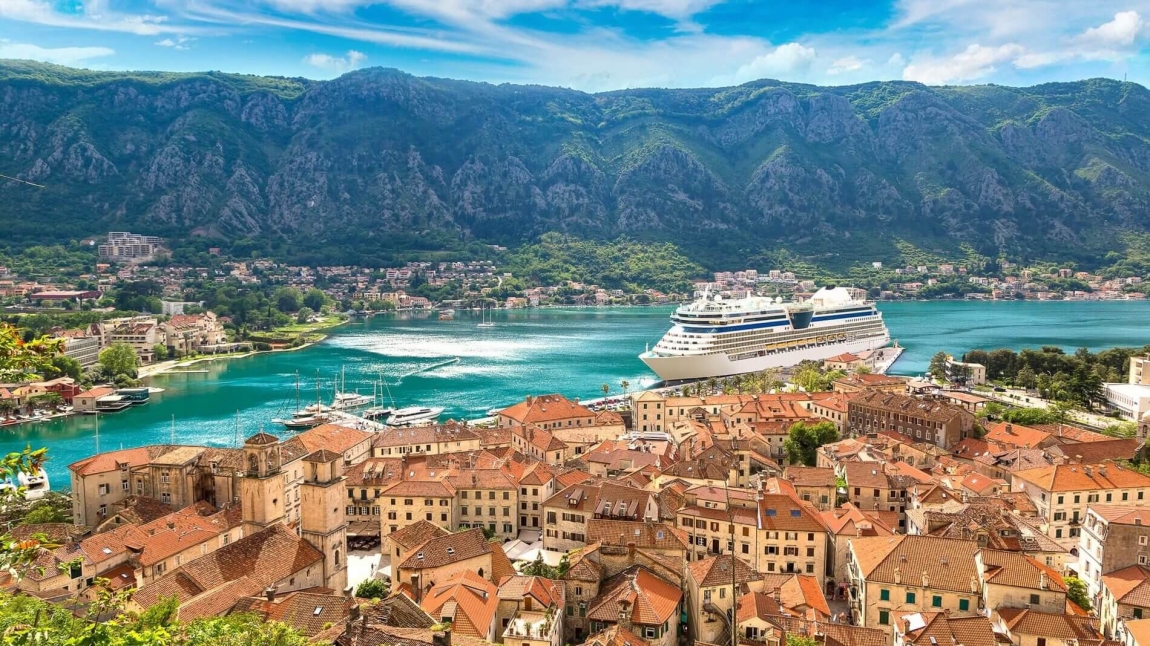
598 45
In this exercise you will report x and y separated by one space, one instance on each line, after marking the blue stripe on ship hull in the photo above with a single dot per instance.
767 324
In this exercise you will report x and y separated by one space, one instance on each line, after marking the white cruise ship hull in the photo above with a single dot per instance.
705 366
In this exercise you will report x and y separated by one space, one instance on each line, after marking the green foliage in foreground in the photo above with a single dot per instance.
622 264
28 620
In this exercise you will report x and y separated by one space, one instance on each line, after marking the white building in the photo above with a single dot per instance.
1130 400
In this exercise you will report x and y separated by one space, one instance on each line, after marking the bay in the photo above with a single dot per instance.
468 370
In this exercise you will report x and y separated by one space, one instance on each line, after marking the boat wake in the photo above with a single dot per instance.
422 369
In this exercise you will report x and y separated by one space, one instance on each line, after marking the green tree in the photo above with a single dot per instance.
1026 378
46 400
605 388
64 366
161 351
44 514
808 376
304 315
795 639
118 359
1076 592
287 299
371 589
625 385
315 299
804 439
937 367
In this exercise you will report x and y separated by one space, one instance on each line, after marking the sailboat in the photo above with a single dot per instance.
308 416
483 322
345 400
380 410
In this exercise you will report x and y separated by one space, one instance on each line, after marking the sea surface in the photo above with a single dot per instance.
469 370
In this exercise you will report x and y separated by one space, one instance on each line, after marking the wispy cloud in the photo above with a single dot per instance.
338 64
180 42
847 64
58 55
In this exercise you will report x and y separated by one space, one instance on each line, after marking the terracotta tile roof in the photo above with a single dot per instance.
1083 477
1015 435
112 460
758 605
650 599
948 564
1095 452
802 592
784 513
1022 621
261 439
420 489
849 520
138 510
307 612
1139 630
810 476
1130 585
443 550
373 471
644 534
408 436
465 594
333 437
57 533
546 408
536 474
943 629
398 610
615 635
935 411
545 591
846 635
582 565
1019 570
716 570
481 479
1072 433
416 534
1122 514
867 475
574 476
262 558
990 518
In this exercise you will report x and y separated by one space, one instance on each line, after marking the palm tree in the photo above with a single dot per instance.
711 386
605 388
625 384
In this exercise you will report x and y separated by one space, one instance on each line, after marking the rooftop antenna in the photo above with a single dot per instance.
17 179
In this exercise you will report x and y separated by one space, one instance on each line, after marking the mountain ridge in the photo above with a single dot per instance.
379 159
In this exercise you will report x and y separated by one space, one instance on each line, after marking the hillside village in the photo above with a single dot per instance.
676 520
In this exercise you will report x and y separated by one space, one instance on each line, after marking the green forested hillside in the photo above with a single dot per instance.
377 162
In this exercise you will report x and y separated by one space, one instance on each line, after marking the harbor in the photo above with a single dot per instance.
468 370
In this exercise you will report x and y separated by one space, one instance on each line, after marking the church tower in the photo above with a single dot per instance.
262 493
323 522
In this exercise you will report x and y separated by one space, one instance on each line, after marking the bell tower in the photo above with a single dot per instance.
323 523
262 493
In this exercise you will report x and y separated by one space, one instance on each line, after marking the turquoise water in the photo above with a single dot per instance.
468 370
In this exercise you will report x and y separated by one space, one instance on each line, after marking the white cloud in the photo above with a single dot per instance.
92 17
972 63
350 61
1120 32
847 64
896 60
180 42
58 55
786 61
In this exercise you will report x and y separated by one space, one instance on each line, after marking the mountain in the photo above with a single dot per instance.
378 158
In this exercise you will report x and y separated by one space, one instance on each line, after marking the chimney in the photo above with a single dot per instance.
1009 429
1042 579
925 579
624 615
1088 470
530 400
441 637
631 551
897 575
270 593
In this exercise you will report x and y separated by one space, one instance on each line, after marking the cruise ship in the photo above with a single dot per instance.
716 337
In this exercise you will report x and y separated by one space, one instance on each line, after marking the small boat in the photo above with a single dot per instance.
303 423
413 415
344 401
483 322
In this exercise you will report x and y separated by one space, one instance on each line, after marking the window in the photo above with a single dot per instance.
936 601
883 617
910 597
1141 540
1137 613
884 595
1035 599
963 605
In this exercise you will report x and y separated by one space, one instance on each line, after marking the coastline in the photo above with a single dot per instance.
173 366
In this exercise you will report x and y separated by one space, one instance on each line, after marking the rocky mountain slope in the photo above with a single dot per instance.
377 155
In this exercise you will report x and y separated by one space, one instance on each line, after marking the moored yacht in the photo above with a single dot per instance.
716 337
413 415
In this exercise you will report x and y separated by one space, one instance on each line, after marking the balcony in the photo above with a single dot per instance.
536 626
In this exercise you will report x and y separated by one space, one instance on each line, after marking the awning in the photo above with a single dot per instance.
363 529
